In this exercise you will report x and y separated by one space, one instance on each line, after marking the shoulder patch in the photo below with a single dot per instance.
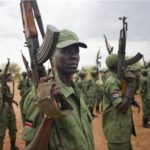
28 123
115 94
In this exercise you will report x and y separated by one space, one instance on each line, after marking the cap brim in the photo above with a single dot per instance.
70 42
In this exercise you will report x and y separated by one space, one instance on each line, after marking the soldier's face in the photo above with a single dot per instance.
67 59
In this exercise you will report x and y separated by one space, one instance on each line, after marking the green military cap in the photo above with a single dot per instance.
67 38
82 73
144 72
111 59
94 72
24 73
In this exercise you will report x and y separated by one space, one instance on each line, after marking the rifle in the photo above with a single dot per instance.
5 73
122 64
109 48
98 62
26 64
38 54
4 78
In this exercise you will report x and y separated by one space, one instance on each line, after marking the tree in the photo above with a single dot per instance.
14 69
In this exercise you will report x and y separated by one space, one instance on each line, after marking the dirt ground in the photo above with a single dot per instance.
141 142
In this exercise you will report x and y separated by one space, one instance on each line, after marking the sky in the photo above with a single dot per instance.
89 19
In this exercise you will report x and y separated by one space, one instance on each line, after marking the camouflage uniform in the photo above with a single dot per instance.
143 90
117 126
92 92
75 129
24 84
8 120
147 102
99 96
82 85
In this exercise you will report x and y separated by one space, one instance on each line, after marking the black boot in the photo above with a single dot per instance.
13 145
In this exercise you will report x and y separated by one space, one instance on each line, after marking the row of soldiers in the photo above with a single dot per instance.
46 129
92 90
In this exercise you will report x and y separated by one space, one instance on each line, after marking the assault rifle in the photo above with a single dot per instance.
98 62
109 48
38 54
122 63
4 78
26 64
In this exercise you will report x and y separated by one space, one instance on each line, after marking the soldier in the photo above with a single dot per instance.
24 83
75 129
82 84
92 92
99 97
7 116
117 115
143 90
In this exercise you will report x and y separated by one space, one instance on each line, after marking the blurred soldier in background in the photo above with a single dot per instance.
7 115
92 92
24 83
82 84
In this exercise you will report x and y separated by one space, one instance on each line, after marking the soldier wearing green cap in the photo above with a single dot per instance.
144 95
82 84
92 92
117 115
143 90
75 129
7 115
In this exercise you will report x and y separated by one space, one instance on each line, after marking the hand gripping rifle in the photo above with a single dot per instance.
122 63
109 48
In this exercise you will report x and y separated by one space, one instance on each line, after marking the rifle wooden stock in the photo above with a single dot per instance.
28 19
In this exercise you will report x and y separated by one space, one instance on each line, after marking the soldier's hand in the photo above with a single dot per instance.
50 99
130 77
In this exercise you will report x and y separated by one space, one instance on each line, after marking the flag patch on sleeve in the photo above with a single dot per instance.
28 123
116 94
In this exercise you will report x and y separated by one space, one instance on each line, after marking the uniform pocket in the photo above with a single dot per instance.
66 122
28 133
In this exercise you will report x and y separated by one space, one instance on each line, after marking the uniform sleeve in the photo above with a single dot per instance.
115 94
32 117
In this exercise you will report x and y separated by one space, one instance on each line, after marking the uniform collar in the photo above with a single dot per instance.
66 90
